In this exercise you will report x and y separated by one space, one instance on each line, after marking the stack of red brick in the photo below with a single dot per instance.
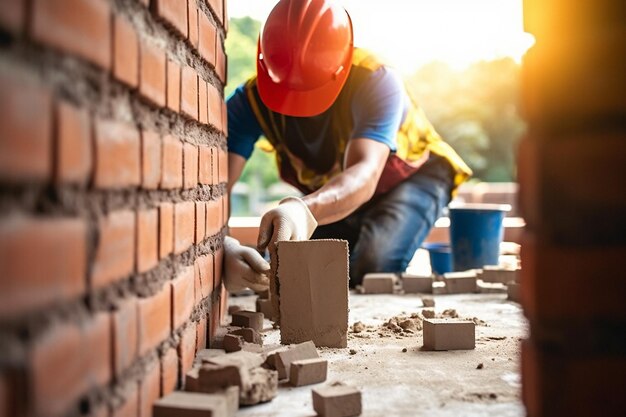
113 175
572 172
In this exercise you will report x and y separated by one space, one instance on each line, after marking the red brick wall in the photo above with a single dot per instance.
112 133
572 174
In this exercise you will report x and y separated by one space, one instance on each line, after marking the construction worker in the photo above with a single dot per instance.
346 133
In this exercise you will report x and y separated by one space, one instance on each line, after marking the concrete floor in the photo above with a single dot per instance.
416 382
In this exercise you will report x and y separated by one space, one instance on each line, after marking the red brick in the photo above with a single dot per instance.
190 166
213 216
203 101
226 211
223 303
154 314
42 261
543 286
200 221
223 165
152 73
98 350
187 348
117 154
25 147
12 14
182 297
221 220
189 93
184 226
192 23
214 321
214 166
130 404
172 166
217 6
125 335
149 389
548 186
57 382
224 118
147 239
81 27
204 277
220 63
169 372
9 393
207 35
218 261
196 282
174 13
73 136
204 168
173 86
150 160
125 52
559 384
215 107
166 229
201 333
528 178
115 252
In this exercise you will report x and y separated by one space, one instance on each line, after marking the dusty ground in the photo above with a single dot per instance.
416 382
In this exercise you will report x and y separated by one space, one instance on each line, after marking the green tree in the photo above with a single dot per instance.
476 111
241 46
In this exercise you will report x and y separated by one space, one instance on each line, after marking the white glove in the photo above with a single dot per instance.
244 267
291 220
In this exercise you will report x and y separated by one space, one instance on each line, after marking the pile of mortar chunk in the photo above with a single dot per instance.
257 384
403 325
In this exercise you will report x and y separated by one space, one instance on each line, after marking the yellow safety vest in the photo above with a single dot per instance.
415 139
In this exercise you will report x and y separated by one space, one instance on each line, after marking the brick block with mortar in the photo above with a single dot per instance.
337 401
313 281
379 283
449 334
499 274
249 319
412 284
460 282
308 372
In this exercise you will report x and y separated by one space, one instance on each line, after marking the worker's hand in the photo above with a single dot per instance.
244 267
291 220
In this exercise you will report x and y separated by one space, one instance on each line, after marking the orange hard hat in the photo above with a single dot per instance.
304 56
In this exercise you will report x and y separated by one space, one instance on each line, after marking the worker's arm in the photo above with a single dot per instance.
363 164
296 219
244 267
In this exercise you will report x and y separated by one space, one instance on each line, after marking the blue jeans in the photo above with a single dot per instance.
384 233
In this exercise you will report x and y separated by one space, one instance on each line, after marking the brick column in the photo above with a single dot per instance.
112 132
572 173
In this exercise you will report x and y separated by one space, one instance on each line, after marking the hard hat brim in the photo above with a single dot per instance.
289 102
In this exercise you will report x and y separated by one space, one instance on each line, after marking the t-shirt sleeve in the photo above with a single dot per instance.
379 106
243 128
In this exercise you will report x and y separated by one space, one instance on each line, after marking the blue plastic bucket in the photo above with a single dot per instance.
475 234
440 257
